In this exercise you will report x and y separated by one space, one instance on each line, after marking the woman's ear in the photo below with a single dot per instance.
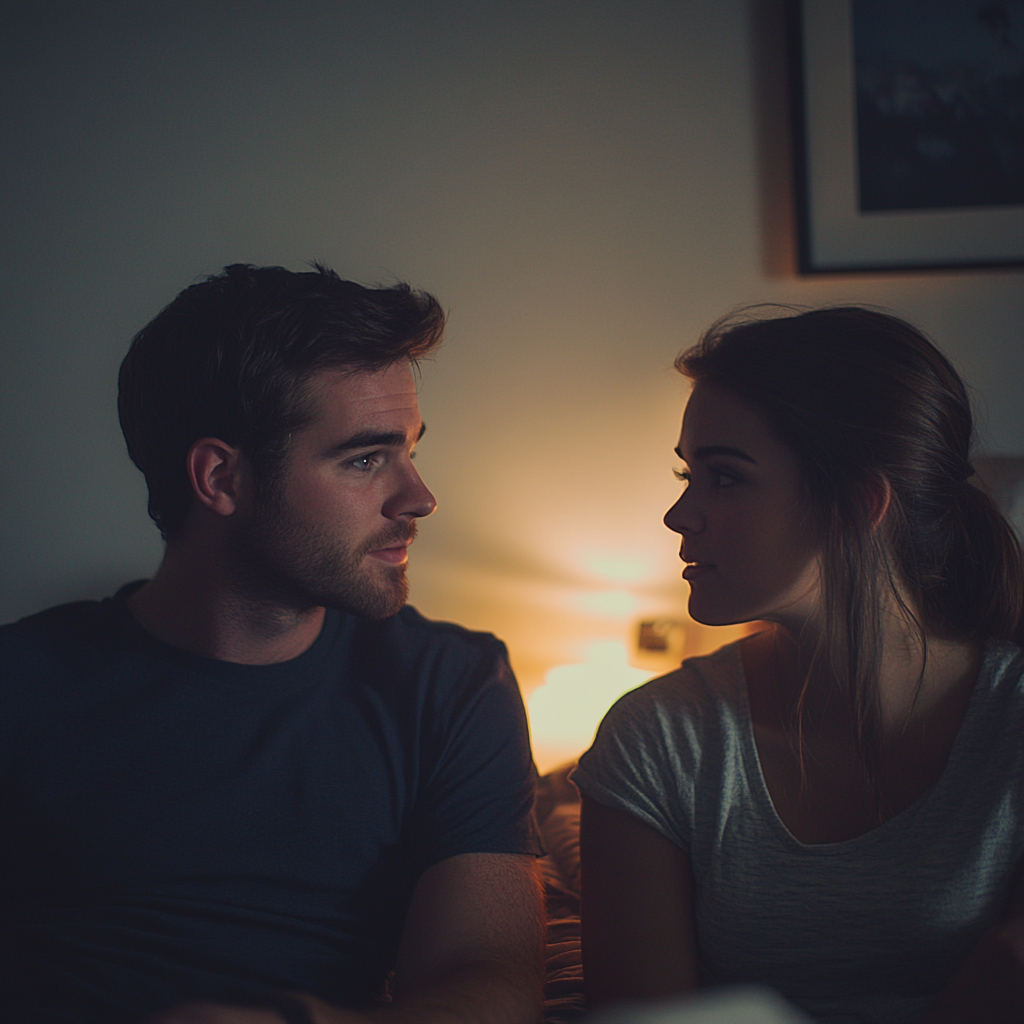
214 470
878 495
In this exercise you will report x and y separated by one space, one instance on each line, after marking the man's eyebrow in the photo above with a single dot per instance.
372 439
711 450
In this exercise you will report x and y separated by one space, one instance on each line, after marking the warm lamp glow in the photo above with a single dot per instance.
622 568
566 710
615 603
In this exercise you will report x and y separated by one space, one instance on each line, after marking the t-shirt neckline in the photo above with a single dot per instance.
759 787
279 671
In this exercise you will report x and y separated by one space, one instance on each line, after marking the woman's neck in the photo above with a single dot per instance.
812 759
918 674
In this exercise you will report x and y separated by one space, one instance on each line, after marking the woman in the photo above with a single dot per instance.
834 806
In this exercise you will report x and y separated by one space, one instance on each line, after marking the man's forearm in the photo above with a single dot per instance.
484 992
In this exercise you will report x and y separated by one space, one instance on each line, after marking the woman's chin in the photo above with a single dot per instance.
707 618
707 613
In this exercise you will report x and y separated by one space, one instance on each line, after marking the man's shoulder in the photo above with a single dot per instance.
56 627
413 622
43 657
410 629
409 643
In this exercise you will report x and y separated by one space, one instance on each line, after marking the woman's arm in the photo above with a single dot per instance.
637 909
989 985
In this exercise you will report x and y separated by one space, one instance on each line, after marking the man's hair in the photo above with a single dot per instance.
234 357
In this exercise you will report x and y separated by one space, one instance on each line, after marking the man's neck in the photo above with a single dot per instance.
192 605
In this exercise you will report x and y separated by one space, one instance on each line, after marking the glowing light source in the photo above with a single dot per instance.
616 603
566 710
622 568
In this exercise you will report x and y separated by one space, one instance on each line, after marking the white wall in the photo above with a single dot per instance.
584 183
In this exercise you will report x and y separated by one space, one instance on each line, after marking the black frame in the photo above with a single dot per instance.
833 236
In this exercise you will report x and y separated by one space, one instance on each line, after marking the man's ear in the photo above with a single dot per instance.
214 470
877 497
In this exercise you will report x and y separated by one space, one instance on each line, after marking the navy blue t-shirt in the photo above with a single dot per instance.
174 827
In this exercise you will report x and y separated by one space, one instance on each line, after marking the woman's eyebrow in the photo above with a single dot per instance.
710 450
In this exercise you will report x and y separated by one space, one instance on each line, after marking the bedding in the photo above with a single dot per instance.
557 809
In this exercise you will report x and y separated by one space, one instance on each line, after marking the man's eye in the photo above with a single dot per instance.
363 462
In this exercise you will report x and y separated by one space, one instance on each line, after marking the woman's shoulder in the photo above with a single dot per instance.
997 705
710 684
659 739
678 715
1002 668
999 687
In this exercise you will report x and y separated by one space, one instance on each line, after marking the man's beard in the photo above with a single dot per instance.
299 566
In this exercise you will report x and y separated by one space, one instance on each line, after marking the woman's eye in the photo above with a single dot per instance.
723 479
682 474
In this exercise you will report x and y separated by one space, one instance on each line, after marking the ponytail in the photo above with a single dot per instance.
981 595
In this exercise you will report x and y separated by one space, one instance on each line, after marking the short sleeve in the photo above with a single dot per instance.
477 795
642 761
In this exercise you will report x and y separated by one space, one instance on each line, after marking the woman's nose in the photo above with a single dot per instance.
683 516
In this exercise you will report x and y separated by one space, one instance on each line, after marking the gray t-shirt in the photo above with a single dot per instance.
867 930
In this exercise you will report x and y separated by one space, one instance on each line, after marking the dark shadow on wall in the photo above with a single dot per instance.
773 136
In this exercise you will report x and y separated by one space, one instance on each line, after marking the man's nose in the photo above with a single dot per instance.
412 500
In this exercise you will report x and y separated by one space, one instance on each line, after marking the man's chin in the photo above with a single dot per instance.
374 599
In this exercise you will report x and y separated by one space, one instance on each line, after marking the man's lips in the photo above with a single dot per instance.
392 545
396 554
698 570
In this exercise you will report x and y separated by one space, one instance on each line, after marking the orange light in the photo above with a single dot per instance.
566 710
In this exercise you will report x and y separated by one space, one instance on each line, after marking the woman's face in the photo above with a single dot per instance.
747 541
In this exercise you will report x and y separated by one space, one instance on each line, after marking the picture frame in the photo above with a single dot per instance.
836 233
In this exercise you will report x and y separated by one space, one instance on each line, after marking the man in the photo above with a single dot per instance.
248 789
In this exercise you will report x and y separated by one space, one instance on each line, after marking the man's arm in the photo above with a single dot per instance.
472 947
471 953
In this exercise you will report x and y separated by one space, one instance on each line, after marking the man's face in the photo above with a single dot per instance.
334 527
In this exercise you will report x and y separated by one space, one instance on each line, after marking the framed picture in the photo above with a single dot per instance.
909 125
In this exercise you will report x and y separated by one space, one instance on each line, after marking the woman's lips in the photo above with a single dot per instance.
698 570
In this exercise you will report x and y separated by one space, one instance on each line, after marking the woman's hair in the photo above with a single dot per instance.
863 397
